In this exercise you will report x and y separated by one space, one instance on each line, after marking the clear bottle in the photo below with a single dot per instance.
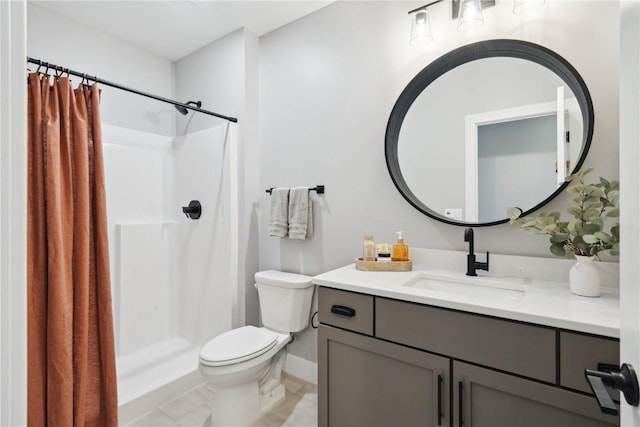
368 249
400 251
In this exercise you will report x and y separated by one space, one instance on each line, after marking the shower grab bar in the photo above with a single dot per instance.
318 189
84 76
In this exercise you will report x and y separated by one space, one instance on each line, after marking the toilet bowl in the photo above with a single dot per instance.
244 365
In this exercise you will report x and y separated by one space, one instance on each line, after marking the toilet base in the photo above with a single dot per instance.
242 405
270 400
236 406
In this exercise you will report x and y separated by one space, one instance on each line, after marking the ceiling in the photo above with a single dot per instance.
173 29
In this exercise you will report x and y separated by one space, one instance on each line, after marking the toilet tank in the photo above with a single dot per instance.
285 300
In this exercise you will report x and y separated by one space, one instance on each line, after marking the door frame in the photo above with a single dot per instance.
13 177
629 196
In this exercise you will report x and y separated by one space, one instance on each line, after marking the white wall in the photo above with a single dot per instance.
328 83
70 44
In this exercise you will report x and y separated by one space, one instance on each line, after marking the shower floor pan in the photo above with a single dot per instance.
151 376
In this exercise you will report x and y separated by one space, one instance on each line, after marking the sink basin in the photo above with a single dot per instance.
491 287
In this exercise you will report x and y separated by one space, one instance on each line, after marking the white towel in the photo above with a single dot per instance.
279 220
300 213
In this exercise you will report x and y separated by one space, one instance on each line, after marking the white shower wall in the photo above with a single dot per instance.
172 277
205 248
138 172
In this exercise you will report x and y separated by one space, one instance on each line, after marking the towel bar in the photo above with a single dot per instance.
318 188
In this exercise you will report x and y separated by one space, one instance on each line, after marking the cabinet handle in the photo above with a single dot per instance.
460 390
343 310
440 381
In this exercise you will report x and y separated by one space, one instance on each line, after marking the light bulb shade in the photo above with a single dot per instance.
420 28
470 15
524 6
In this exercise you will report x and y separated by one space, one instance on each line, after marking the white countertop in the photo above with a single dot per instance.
543 302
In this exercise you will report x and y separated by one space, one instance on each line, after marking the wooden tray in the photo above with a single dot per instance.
383 265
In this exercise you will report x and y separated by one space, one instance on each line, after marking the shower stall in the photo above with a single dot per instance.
174 279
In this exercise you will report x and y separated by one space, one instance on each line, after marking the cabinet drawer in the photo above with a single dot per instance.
579 352
347 310
510 346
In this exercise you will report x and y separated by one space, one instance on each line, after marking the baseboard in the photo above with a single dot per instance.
301 368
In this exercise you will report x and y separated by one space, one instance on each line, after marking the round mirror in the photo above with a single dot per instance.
488 126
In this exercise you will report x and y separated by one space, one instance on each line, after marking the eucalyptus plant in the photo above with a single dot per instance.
593 207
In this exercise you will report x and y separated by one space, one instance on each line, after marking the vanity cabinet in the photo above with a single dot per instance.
370 382
389 363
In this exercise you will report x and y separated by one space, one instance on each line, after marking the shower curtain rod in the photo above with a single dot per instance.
85 76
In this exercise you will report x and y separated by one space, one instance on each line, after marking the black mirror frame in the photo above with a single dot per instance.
484 49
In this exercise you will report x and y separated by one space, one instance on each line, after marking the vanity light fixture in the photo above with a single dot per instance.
470 15
467 12
421 25
523 6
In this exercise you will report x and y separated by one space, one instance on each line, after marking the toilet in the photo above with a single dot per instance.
243 365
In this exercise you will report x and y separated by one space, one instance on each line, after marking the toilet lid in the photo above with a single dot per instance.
237 345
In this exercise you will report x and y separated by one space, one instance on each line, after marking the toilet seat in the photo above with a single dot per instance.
237 345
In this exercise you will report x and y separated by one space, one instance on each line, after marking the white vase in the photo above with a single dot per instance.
584 277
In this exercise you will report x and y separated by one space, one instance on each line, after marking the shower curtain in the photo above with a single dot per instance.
71 356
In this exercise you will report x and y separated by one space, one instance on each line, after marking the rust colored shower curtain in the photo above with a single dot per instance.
71 356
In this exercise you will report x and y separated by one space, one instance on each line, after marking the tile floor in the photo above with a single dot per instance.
192 409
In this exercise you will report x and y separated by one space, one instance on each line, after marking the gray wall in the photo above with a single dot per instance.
61 41
323 88
515 165
328 83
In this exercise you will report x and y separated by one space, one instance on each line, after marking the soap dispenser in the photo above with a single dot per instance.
400 251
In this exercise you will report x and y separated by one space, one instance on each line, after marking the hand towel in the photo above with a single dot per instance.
279 219
300 213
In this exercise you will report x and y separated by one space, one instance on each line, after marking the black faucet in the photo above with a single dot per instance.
472 264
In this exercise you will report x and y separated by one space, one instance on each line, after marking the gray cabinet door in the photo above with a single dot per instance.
363 381
487 398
